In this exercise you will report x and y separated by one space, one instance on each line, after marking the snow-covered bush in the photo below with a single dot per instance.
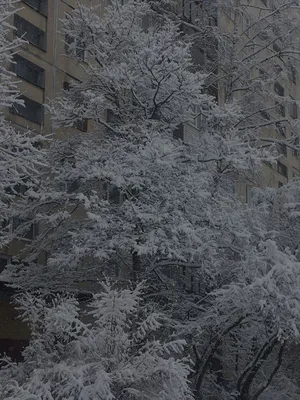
117 355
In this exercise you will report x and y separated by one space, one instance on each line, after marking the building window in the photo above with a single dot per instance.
282 169
4 260
293 109
13 348
245 24
276 48
112 193
31 110
278 69
81 123
280 108
112 117
75 46
199 120
292 74
282 149
278 89
265 114
40 6
213 16
30 32
66 85
18 189
263 74
29 71
296 148
179 132
72 44
249 194
30 232
281 129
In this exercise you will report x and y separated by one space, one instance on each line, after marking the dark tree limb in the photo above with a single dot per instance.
266 384
247 377
210 352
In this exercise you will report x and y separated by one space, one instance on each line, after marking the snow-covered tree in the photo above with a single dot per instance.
130 194
20 155
250 52
132 200
117 355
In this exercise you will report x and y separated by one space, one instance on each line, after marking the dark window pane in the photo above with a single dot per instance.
30 32
292 74
279 89
276 48
112 193
66 85
178 132
13 348
29 71
31 231
31 110
76 44
295 149
3 262
40 5
282 169
280 108
282 148
294 110
281 129
82 124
